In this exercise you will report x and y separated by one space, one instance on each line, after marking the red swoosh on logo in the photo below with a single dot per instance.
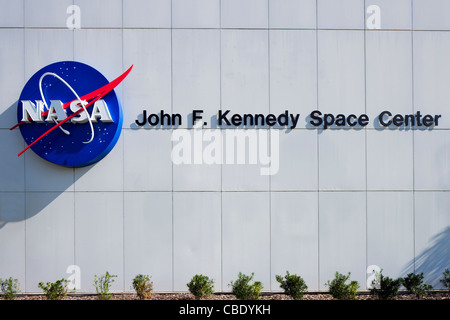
96 95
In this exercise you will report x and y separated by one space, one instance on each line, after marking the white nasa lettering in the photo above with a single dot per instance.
100 110
33 112
56 111
81 117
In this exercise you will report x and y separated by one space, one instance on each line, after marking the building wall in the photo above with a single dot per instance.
342 200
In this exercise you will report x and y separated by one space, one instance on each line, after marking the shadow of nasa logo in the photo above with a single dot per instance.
69 114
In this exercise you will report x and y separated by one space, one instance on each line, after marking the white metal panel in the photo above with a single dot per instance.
46 13
45 46
148 238
431 236
431 165
390 231
245 71
147 160
388 74
342 159
147 14
12 54
99 220
390 160
342 236
293 72
12 233
294 236
196 74
197 237
42 175
149 84
344 14
298 161
432 74
246 237
12 169
49 237
292 14
200 172
11 14
341 71
244 13
431 15
195 13
100 13
246 175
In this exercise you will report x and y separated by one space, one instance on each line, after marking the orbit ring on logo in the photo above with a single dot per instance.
69 114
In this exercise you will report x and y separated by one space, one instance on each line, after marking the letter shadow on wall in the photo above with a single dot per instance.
320 128
433 260
159 120
47 180
404 127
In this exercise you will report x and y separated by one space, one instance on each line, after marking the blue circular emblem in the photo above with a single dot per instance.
69 114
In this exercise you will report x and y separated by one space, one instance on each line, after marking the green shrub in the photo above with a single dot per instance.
340 289
103 284
446 279
385 288
414 284
293 285
9 288
201 286
54 290
242 290
143 286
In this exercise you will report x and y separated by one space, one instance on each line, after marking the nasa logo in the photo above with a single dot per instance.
69 114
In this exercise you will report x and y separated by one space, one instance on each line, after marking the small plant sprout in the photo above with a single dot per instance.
414 284
9 288
201 286
340 287
243 290
385 288
54 290
446 279
143 286
102 285
293 285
